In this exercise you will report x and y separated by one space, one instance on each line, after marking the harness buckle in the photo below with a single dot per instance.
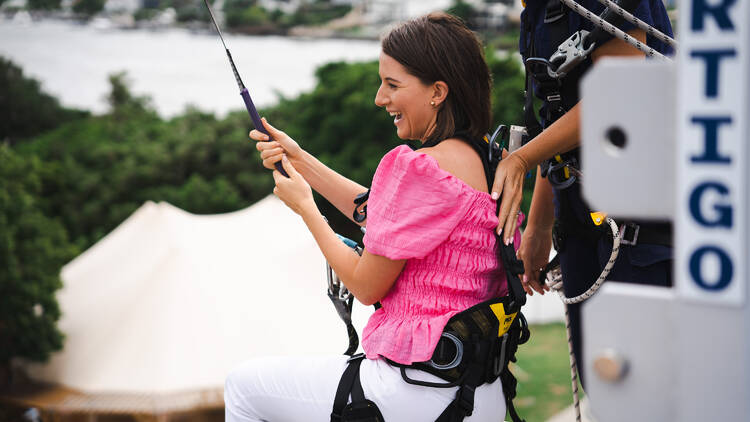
627 229
569 54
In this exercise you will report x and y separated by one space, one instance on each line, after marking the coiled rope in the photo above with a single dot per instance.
557 286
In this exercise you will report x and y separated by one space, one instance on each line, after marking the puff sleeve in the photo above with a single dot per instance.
414 205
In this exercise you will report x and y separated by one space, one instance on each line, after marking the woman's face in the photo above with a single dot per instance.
407 99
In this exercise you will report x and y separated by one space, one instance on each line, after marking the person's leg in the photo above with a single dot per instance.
303 389
283 389
400 401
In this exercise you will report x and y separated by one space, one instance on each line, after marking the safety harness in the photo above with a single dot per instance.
476 345
545 77
563 170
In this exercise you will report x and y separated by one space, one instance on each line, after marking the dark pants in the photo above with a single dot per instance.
582 259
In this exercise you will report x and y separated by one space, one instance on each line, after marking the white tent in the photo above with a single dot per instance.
171 301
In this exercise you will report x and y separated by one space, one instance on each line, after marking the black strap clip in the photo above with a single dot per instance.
360 215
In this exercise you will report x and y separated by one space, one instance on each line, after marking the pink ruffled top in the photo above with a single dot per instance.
445 230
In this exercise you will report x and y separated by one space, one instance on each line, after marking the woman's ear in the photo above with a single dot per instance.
439 93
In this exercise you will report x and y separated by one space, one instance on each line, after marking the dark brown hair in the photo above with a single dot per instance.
439 47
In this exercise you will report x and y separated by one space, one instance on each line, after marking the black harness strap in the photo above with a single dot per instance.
360 409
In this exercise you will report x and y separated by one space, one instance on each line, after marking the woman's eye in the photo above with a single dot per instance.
392 86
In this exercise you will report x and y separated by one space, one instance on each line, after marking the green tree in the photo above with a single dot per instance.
98 170
88 7
43 4
463 10
33 248
27 111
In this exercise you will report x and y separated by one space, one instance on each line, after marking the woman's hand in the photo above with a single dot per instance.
509 184
272 151
293 190
534 252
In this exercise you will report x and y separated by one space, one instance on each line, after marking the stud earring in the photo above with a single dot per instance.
432 103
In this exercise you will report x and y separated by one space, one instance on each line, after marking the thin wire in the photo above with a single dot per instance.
650 30
614 31
216 25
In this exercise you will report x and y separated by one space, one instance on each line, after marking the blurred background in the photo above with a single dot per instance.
140 255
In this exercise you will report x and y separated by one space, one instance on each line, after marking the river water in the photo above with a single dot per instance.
176 67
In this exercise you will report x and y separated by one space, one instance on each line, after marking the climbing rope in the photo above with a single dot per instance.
650 30
554 281
613 30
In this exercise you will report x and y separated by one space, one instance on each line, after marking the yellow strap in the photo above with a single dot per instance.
505 320
566 171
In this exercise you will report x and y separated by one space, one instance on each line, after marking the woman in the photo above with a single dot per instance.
430 243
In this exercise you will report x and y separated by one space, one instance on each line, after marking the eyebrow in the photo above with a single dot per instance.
389 79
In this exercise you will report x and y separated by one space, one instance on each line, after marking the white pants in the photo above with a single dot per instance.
290 389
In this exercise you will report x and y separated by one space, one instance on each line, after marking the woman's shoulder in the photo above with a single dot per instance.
458 158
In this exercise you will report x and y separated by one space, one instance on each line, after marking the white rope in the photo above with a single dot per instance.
557 286
650 30
611 29
573 367
603 276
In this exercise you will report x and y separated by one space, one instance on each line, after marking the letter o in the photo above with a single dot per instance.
726 268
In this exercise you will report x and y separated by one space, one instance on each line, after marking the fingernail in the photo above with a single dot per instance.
495 195
525 278
507 241
500 231
283 157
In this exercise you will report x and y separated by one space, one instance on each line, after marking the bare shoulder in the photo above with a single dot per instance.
459 158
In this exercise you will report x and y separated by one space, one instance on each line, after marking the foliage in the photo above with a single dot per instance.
318 13
236 13
463 10
26 110
187 10
33 247
88 7
98 170
43 4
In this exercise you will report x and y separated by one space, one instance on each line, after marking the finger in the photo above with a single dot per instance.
511 224
525 285
266 154
290 170
277 178
270 163
257 135
264 145
536 285
505 207
272 131
498 183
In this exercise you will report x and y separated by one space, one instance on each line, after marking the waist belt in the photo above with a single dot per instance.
633 233
475 348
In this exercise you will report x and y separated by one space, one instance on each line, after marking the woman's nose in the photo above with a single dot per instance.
380 99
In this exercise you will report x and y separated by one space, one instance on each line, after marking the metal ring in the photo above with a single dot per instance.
459 353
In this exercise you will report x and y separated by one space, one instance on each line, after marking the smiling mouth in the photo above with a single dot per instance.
396 116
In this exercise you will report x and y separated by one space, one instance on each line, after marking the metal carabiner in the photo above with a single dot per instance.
569 54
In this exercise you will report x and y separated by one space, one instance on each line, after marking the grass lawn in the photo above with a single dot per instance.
543 372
